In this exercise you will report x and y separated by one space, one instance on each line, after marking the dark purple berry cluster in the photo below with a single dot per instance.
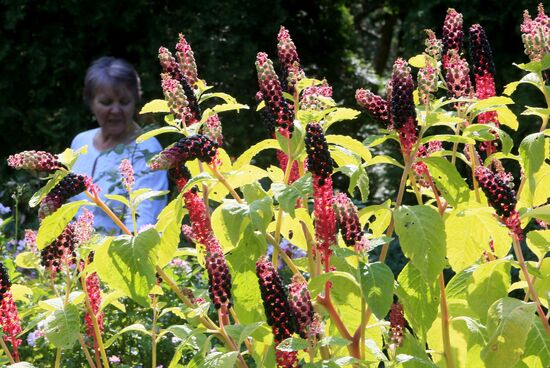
60 251
499 194
402 102
319 161
219 279
300 302
5 282
375 105
68 187
452 31
480 51
196 146
347 219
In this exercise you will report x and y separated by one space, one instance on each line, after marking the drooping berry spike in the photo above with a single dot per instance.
314 97
319 162
34 160
272 93
288 56
68 187
186 60
219 278
212 128
177 99
452 34
375 105
427 83
277 309
397 324
94 295
196 146
9 317
402 112
60 252
500 196
536 34
434 46
457 76
300 302
347 219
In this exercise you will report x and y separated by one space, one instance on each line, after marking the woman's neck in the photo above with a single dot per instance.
103 142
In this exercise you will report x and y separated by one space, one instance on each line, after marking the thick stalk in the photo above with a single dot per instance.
95 198
6 350
248 340
531 287
285 257
226 184
154 333
86 352
58 358
473 167
445 324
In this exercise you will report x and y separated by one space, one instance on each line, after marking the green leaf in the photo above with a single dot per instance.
246 157
42 192
240 332
340 114
537 111
136 327
542 280
220 360
27 260
531 78
152 133
62 327
447 180
155 106
228 221
377 287
541 213
469 232
247 174
538 242
53 225
293 344
358 177
412 353
508 324
317 284
307 82
531 151
422 237
128 264
490 282
418 61
351 144
378 218
507 117
169 227
203 177
334 341
489 104
420 299
537 348
375 140
146 194
118 198
227 98
229 107
260 206
448 138
287 195
479 132
384 159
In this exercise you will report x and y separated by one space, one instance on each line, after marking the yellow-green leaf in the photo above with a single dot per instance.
155 106
53 225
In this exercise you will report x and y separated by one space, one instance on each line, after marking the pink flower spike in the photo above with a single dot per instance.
127 172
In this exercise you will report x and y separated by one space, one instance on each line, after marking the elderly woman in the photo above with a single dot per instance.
112 90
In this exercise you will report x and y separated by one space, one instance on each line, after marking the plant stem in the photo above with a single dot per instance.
6 350
58 358
285 257
86 352
248 340
277 236
95 198
532 291
226 184
445 324
154 333
473 167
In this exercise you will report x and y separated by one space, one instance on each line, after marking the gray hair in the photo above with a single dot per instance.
108 70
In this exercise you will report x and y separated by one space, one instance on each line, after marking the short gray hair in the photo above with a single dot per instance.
108 70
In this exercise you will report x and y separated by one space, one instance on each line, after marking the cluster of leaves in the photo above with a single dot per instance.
460 225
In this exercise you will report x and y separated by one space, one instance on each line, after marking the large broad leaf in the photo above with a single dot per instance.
152 133
287 195
53 225
228 222
351 144
537 189
62 327
542 283
377 287
247 174
415 351
508 324
537 348
220 360
538 242
469 232
157 105
447 180
490 282
531 151
422 237
420 299
240 332
169 226
246 157
128 264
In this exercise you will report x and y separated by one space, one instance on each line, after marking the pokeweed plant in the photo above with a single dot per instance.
456 303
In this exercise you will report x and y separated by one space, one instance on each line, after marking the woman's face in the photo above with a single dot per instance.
113 108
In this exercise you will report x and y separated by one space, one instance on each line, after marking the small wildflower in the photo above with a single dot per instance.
94 295
427 83
434 46
212 128
177 99
316 97
30 240
198 216
536 34
83 227
114 359
4 210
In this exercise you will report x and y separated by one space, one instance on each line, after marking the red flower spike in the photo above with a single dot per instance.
288 56
536 34
9 317
219 279
452 34
457 76
94 295
319 161
198 215
61 251
500 196
397 324
68 187
347 219
325 218
277 309
34 160
189 148
186 59
402 111
375 105
272 94
300 302
434 46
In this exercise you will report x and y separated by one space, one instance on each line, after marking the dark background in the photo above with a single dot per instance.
47 45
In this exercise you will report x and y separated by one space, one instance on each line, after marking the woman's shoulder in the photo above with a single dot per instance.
84 138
